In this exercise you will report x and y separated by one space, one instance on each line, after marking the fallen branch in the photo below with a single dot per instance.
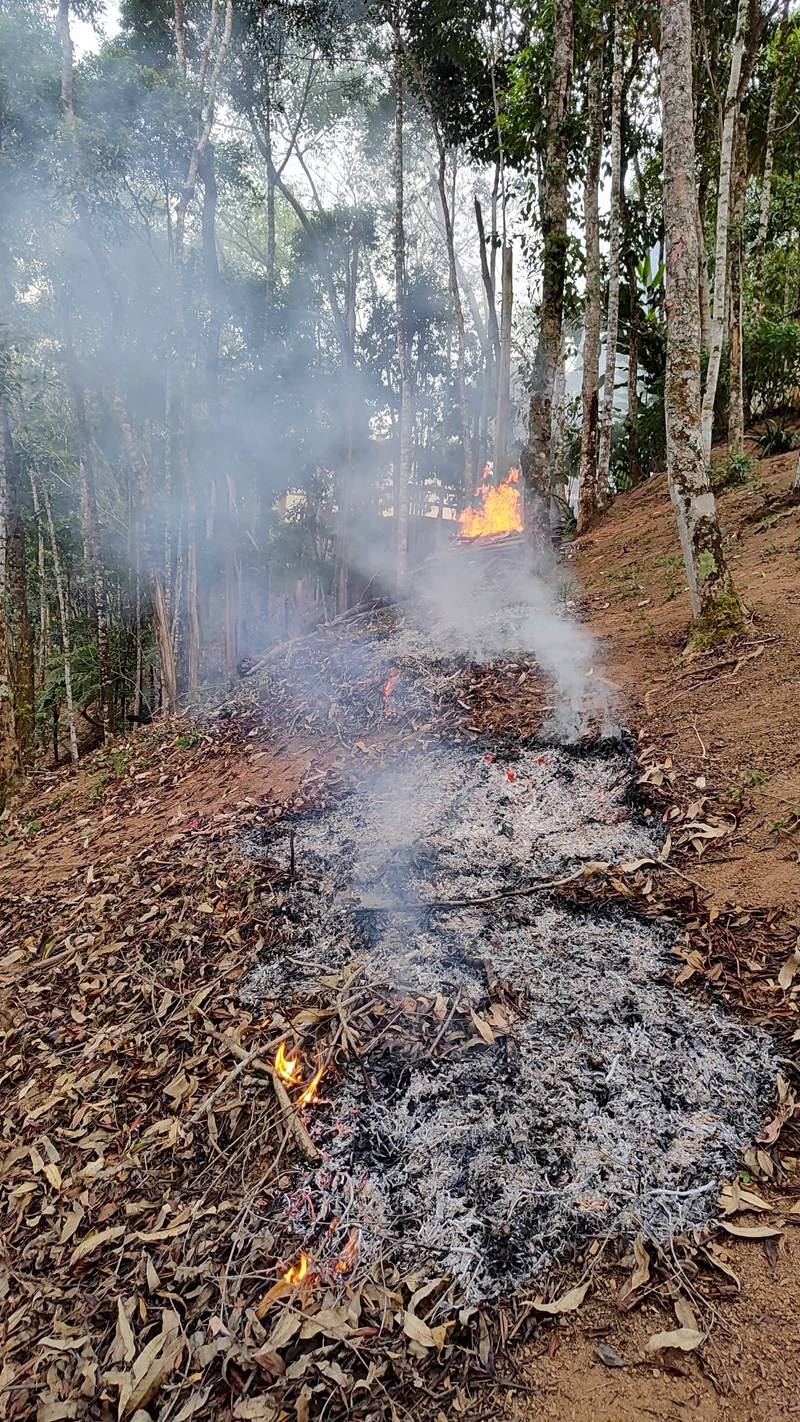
302 1139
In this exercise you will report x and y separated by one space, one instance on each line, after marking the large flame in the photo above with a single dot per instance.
287 1068
500 509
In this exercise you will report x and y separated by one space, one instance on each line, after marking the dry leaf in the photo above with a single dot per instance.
93 1240
566 1304
418 1331
750 1231
684 1338
685 1313
152 1367
787 972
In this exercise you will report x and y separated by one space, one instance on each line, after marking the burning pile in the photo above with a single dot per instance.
499 508
512 1079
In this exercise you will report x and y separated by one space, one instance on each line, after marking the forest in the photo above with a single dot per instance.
283 284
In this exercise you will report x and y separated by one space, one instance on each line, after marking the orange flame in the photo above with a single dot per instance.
394 677
347 1258
297 1271
310 1093
500 510
288 1069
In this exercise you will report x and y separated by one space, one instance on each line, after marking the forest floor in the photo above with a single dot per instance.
128 849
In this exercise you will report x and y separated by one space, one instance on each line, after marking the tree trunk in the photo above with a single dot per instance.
44 615
769 161
10 763
502 418
22 662
64 620
612 316
535 460
634 457
91 523
736 410
205 126
705 290
405 433
587 485
558 472
716 606
729 124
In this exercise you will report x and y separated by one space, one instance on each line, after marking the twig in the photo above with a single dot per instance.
227 1080
697 733
302 1139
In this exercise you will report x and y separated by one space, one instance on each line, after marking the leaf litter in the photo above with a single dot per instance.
145 1144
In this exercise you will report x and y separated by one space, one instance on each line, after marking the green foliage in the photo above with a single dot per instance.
776 439
734 473
771 359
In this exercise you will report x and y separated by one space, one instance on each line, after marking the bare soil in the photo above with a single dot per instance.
728 720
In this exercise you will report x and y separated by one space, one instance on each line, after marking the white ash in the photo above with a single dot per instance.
617 1103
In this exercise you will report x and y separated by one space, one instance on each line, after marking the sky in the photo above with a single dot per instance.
86 38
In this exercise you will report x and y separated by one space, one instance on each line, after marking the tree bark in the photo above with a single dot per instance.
63 619
612 316
736 380
716 607
22 660
535 459
769 161
405 432
502 419
729 123
10 762
91 524
587 485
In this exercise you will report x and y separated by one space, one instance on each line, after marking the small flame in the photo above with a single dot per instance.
347 1258
500 510
394 677
297 1271
310 1093
288 1069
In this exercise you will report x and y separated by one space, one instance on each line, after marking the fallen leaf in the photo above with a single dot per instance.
750 1231
93 1240
609 1356
568 1302
684 1338
787 972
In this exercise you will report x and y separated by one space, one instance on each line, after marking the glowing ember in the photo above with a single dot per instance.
288 1069
310 1093
298 1271
500 510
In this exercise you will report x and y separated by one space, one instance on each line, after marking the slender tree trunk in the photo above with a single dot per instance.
558 452
44 614
705 290
10 762
91 523
587 486
502 419
729 122
736 414
634 456
64 621
535 460
612 316
205 126
405 433
716 607
769 161
22 662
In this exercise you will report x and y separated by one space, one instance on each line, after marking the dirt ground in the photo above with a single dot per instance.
728 724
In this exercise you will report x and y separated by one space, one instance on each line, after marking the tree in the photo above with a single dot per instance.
717 608
535 460
405 441
614 229
587 485
724 193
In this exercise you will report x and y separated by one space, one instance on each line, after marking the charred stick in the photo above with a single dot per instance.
302 1139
